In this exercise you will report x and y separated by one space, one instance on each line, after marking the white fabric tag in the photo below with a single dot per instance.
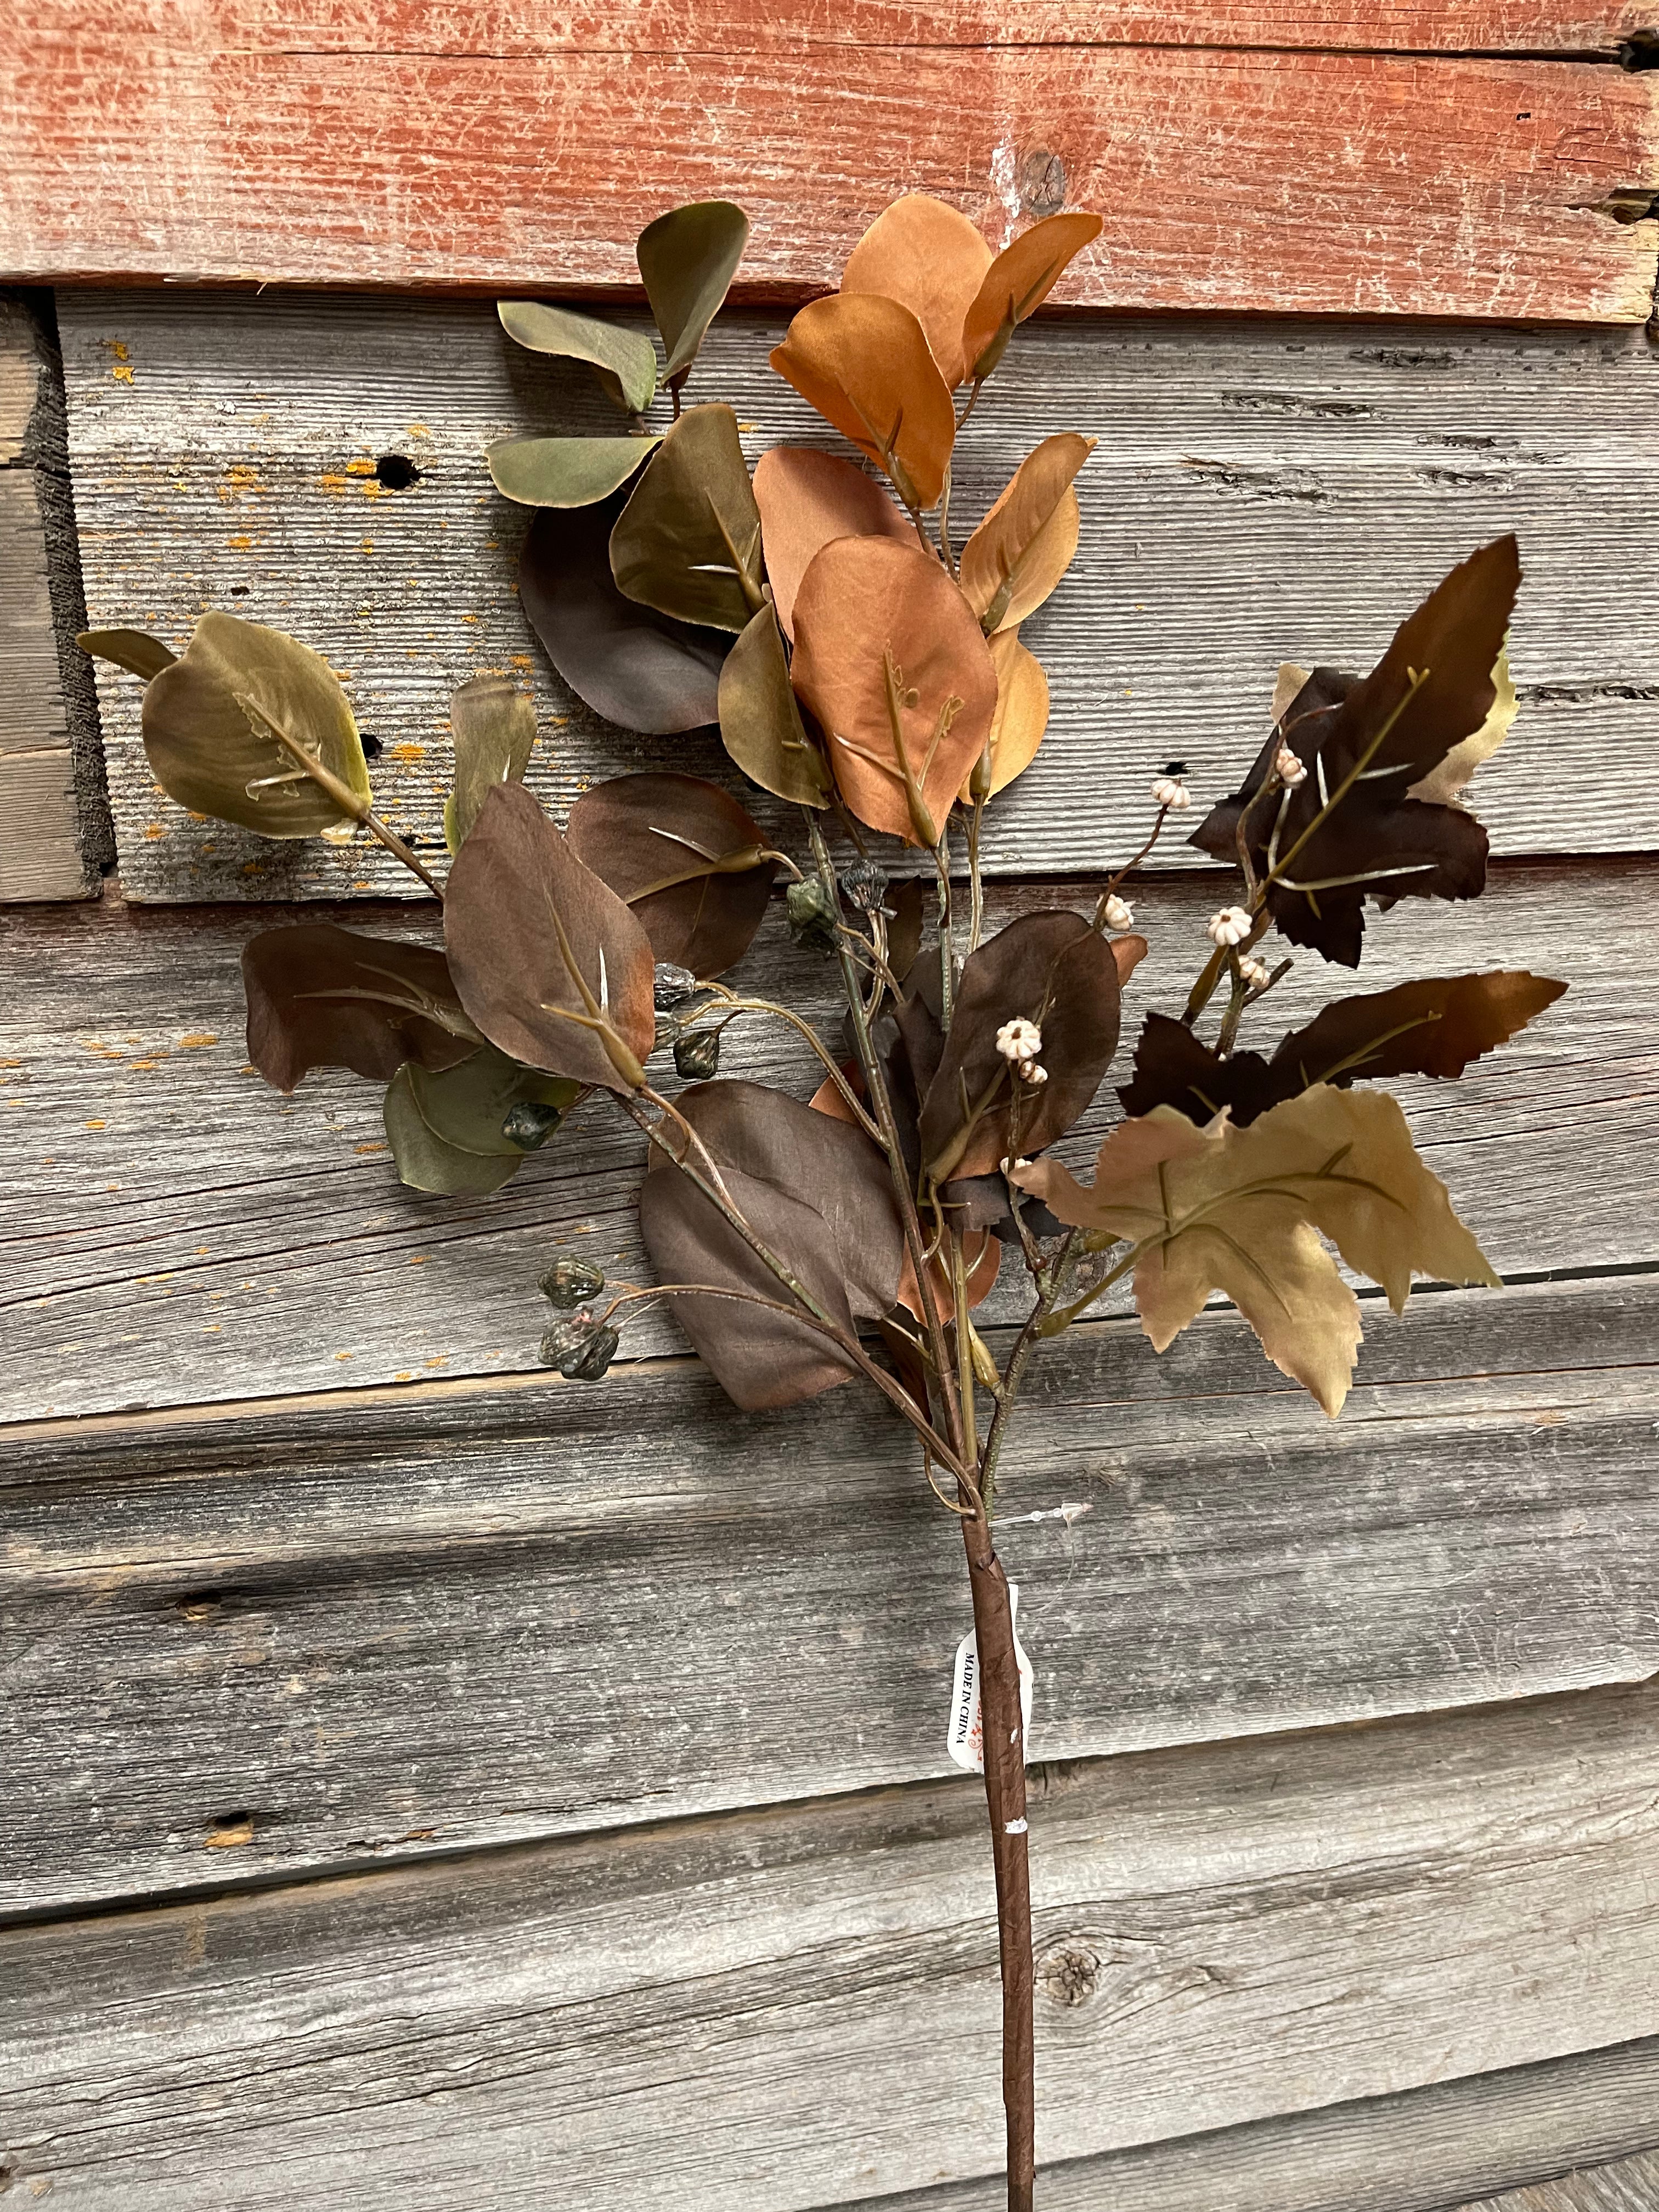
965 1736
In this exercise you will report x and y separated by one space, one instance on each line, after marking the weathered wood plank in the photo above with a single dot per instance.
1632 2186
1418 186
306 1635
1261 491
793 2009
1411 2152
54 825
174 1231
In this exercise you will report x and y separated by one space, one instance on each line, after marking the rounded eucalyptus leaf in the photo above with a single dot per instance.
135 650
493 726
468 1105
631 665
214 755
688 258
564 471
688 541
760 724
427 1161
626 360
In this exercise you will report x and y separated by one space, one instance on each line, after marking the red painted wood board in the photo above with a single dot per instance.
1282 181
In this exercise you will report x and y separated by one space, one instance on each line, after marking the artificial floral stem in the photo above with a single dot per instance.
975 881
850 1097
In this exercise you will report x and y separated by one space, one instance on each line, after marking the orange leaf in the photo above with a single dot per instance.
1018 282
1026 543
805 498
929 258
890 658
1022 713
864 362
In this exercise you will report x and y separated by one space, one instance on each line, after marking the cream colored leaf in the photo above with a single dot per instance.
1454 773
1291 681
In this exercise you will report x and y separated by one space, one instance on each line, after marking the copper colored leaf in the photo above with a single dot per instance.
818 1194
1026 543
552 965
1018 282
626 361
1051 969
211 752
632 665
687 542
928 257
563 472
685 856
493 726
1241 1211
688 258
319 996
1350 829
863 361
135 650
890 660
806 498
761 725
1021 716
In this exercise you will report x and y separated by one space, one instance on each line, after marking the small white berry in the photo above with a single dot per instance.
1120 914
1019 1041
1254 972
1231 927
1170 791
1031 1073
1291 771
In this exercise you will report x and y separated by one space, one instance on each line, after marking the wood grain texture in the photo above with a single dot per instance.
301 1635
1416 186
175 1231
1632 2186
752 2010
1416 2152
1261 491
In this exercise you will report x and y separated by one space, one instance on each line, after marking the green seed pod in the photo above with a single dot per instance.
812 913
529 1126
673 987
580 1348
864 885
569 1281
697 1057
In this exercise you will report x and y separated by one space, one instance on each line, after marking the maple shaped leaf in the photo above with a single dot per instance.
1242 1211
1352 826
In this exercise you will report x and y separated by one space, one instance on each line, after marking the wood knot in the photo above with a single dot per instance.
1068 1973
1040 181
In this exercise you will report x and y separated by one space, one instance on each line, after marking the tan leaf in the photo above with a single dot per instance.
929 258
806 498
864 362
1235 1211
1018 282
1026 543
1021 716
890 660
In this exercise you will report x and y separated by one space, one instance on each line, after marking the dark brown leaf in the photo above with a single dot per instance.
1049 968
909 903
1175 1068
552 965
817 1192
319 996
633 665
687 542
686 859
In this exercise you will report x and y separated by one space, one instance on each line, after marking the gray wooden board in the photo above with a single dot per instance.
1415 2151
1632 2186
172 1231
797 2009
1262 491
294 1636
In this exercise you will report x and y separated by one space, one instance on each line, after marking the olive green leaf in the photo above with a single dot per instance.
688 258
625 361
219 756
691 862
447 1128
761 725
320 996
493 724
688 541
564 471
135 650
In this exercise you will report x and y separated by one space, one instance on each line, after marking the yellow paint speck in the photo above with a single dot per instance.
366 545
238 544
409 750
194 1041
95 1125
345 1355
153 830
360 468
122 372
369 1148
417 1259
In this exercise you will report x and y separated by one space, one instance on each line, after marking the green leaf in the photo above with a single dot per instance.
625 360
493 724
564 471
688 258
688 541
135 650
761 725
427 1161
214 756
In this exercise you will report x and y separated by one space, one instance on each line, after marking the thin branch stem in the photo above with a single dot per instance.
348 800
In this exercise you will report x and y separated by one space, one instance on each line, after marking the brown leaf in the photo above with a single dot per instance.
904 927
1018 282
686 857
928 257
761 725
817 1192
552 965
1049 968
1026 543
890 658
319 996
687 542
864 362
806 498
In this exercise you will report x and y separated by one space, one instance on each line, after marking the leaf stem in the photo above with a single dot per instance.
348 800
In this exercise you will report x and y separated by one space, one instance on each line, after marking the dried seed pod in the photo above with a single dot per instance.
569 1280
673 987
581 1348
697 1057
529 1126
864 885
812 913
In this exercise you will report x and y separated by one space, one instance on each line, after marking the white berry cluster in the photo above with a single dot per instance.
1256 973
1291 771
1120 914
1019 1041
1170 791
1231 927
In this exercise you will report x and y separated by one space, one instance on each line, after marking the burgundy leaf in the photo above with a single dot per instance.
685 856
319 996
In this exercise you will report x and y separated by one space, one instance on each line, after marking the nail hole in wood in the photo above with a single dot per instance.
397 471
